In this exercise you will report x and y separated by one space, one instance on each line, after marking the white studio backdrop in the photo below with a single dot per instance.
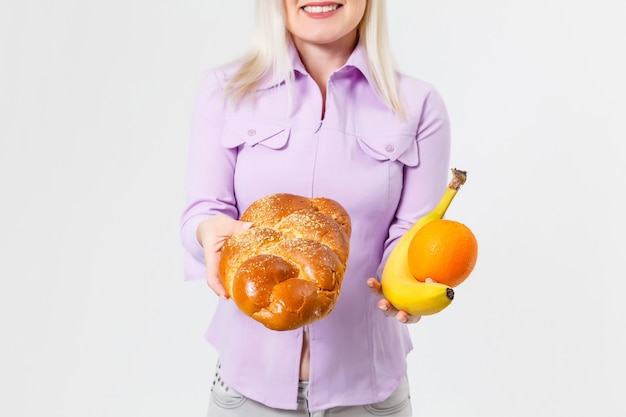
95 106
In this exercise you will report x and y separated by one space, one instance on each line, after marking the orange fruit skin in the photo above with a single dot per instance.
443 250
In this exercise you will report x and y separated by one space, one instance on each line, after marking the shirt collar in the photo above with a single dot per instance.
357 60
296 62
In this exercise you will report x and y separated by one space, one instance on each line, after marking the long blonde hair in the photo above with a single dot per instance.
269 55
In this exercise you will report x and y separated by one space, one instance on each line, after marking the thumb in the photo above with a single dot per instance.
225 228
240 226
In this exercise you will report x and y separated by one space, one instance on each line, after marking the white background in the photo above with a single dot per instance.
95 105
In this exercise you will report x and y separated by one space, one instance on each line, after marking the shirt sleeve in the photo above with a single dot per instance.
425 183
209 176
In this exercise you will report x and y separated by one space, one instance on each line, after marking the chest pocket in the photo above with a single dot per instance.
401 147
254 133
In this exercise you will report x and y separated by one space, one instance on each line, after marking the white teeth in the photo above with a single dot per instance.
320 9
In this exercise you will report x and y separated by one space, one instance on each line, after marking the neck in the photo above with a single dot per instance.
321 60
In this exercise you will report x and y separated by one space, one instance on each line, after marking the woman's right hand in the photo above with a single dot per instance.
212 233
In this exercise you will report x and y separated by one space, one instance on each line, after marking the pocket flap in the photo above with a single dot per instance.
253 133
393 147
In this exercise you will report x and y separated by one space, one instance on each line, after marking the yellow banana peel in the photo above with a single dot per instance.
399 286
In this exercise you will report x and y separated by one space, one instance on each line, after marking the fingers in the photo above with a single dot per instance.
375 286
383 304
213 232
386 307
212 261
404 317
215 284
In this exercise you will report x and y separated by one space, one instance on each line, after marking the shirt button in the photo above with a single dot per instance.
251 132
390 148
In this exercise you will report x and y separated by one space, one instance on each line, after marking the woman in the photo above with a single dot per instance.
315 109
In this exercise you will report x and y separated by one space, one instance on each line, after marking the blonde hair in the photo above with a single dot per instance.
269 55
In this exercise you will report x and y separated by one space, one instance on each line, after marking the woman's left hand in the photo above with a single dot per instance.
386 307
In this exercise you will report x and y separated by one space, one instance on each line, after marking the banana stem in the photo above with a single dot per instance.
458 179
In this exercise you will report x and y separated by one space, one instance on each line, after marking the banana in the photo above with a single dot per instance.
399 286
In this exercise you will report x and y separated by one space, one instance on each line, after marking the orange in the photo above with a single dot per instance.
443 250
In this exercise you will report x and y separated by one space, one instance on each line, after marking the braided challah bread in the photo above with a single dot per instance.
286 271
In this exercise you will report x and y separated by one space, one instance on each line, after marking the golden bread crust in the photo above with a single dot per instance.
286 271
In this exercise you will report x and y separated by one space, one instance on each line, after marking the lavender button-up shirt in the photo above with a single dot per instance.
385 171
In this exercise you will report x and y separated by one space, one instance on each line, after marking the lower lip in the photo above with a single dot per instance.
321 15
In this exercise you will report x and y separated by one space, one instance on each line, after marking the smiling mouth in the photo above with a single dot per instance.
321 9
